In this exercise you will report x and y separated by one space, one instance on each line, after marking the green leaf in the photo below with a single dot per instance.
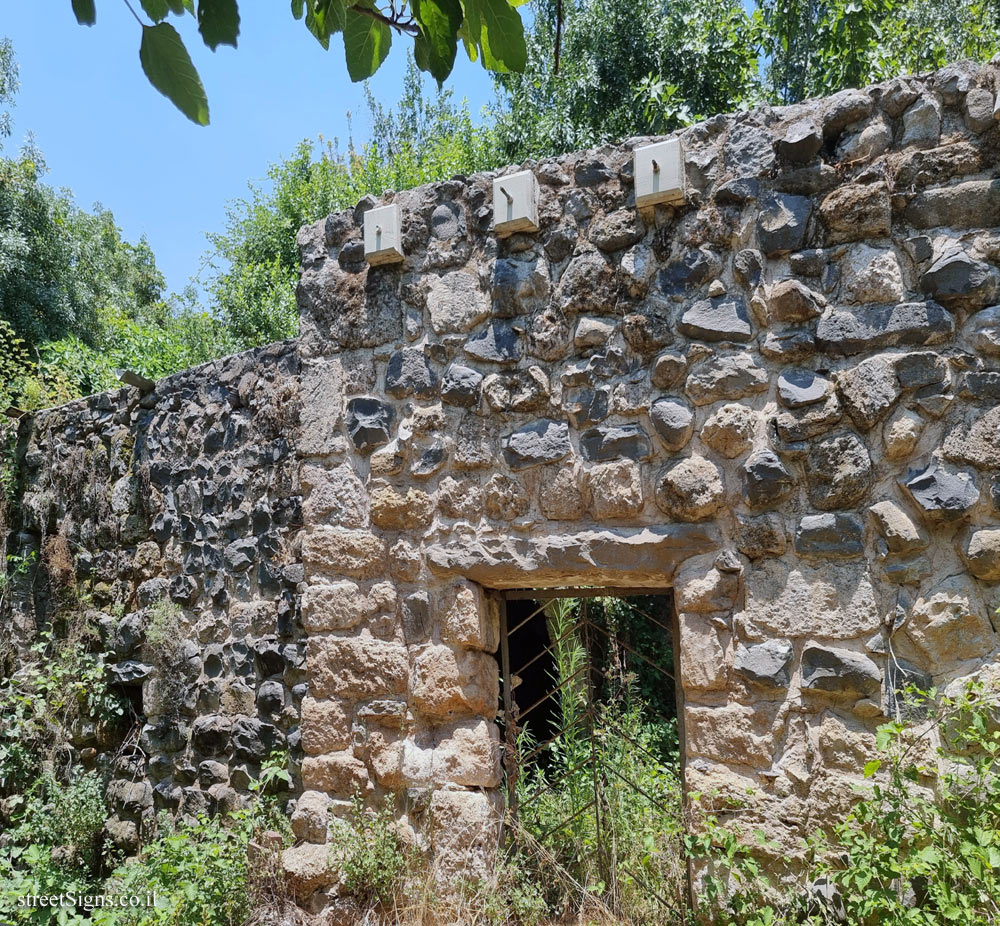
298 6
497 28
436 45
872 767
366 43
168 66
157 10
324 18
218 22
85 12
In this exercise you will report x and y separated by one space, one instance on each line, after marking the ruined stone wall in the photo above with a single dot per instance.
779 399
174 516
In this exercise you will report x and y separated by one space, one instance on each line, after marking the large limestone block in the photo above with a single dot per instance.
334 552
701 587
394 508
338 773
702 652
356 667
844 744
982 554
559 494
386 751
450 683
735 734
615 490
976 440
464 831
326 726
308 869
901 535
322 394
342 605
690 490
950 623
469 755
471 618
645 557
336 497
311 817
832 600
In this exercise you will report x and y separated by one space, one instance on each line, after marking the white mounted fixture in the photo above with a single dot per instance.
515 203
383 235
659 173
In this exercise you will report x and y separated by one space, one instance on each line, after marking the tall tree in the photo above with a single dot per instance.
626 67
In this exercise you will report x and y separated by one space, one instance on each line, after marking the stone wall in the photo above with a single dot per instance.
179 510
779 400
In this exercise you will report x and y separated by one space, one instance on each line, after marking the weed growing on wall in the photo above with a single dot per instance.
62 687
369 854
921 848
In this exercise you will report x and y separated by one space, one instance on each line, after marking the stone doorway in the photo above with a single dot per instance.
591 742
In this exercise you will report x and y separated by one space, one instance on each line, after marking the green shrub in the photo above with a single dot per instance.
920 848
63 685
369 853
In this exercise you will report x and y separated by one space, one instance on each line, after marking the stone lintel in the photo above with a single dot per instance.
644 557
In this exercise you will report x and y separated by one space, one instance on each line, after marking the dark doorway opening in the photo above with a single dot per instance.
590 715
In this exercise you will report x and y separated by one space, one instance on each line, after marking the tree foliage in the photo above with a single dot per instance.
253 265
816 47
626 67
489 30
638 67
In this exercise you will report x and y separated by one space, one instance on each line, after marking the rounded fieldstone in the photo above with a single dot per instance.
673 422
839 471
730 430
447 221
982 555
690 490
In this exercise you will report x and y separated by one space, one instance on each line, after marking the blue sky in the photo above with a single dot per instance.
108 136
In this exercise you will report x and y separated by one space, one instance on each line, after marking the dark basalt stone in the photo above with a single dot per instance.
612 443
781 225
499 343
765 479
461 386
693 268
839 671
943 495
835 536
410 374
853 330
542 441
801 142
799 388
766 663
724 318
673 422
369 423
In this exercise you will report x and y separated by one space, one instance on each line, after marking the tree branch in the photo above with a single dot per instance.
406 26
